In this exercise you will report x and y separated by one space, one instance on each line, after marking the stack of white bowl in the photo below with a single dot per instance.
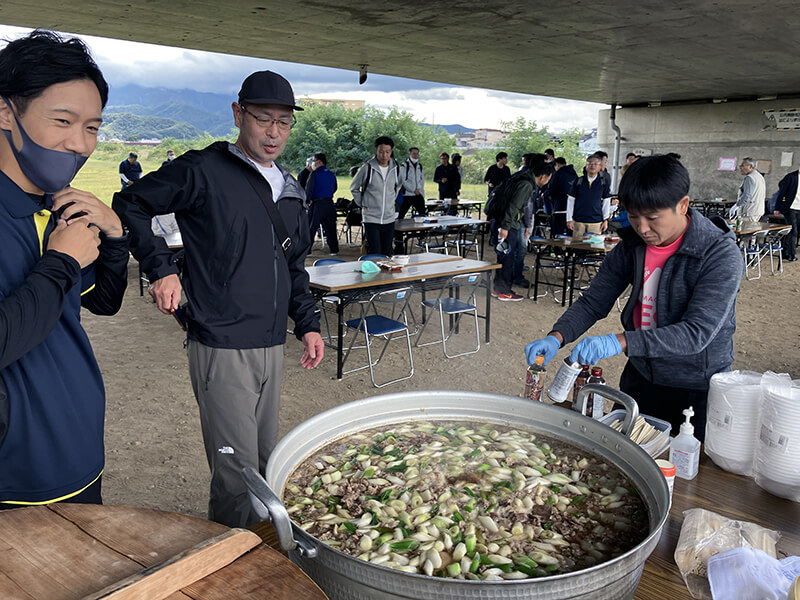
778 453
732 426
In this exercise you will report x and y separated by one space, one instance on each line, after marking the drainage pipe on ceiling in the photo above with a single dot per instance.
617 138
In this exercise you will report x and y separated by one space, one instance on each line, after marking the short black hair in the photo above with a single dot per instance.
550 151
530 160
384 140
444 154
500 156
456 157
30 65
601 154
674 155
629 154
133 155
320 156
653 183
542 168
413 148
561 160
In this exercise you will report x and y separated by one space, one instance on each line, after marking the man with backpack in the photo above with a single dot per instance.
374 189
505 208
413 184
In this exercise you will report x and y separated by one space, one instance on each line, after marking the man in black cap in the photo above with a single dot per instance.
246 237
130 170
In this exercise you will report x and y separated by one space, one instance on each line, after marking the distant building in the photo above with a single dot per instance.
348 104
481 138
588 143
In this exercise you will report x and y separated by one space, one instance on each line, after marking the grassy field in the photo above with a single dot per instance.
99 176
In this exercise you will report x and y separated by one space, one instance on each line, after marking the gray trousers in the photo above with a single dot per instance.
238 393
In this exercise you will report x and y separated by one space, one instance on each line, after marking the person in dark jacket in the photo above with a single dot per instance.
678 325
320 189
557 191
241 277
496 173
446 175
130 170
788 204
61 249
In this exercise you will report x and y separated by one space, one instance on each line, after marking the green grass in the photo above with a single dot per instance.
100 176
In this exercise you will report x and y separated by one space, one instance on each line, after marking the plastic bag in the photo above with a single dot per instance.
705 534
745 573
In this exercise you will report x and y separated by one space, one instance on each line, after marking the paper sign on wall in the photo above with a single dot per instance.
786 159
727 164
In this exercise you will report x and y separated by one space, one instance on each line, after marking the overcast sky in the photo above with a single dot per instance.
150 65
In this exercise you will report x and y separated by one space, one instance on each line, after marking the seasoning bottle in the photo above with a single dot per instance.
580 381
562 382
596 405
534 380
684 450
738 223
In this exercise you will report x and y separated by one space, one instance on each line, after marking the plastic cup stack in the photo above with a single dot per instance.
732 426
778 453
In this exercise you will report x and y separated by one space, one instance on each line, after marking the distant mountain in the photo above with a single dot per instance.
452 129
127 126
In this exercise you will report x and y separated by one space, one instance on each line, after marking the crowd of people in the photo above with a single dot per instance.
247 226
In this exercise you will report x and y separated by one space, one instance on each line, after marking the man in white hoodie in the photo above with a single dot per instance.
750 202
375 189
413 184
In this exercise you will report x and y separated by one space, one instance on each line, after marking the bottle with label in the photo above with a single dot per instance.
595 405
534 380
738 223
562 382
684 450
580 381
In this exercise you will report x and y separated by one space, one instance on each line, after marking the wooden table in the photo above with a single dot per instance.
571 252
749 228
70 551
342 280
730 495
407 228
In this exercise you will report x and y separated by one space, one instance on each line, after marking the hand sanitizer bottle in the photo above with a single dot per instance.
684 450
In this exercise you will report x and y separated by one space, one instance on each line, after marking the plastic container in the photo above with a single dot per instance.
562 382
654 447
684 450
668 469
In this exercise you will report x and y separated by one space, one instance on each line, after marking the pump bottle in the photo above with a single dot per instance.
684 450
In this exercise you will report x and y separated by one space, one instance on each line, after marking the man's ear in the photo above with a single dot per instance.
683 205
237 114
6 117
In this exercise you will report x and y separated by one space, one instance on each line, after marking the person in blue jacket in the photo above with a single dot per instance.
684 271
60 249
320 189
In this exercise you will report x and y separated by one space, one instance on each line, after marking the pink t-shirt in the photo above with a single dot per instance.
644 315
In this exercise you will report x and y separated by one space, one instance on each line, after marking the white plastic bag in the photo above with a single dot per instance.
705 534
745 573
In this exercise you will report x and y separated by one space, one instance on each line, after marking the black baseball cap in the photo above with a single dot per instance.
267 87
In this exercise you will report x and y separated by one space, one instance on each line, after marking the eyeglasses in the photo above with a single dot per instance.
283 123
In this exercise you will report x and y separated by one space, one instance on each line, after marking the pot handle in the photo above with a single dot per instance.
268 507
631 408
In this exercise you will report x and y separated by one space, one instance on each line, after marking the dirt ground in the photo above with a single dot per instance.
154 451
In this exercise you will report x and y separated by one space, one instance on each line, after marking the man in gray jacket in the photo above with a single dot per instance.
413 184
750 203
375 189
678 325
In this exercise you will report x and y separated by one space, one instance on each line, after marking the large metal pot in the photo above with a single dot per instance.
345 577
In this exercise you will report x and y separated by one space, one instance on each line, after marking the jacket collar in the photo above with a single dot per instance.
17 202
291 188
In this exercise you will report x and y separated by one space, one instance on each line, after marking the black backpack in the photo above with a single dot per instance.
497 204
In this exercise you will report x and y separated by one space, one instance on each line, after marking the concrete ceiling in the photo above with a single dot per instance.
629 53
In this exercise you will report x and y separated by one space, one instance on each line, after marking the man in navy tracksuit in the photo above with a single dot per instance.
60 249
589 202
320 188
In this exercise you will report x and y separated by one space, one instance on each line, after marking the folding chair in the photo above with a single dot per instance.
433 240
373 324
466 238
772 246
328 301
752 256
466 284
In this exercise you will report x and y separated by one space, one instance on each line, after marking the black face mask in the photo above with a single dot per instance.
49 170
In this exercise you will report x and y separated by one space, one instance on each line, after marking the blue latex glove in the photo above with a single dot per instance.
548 347
590 350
